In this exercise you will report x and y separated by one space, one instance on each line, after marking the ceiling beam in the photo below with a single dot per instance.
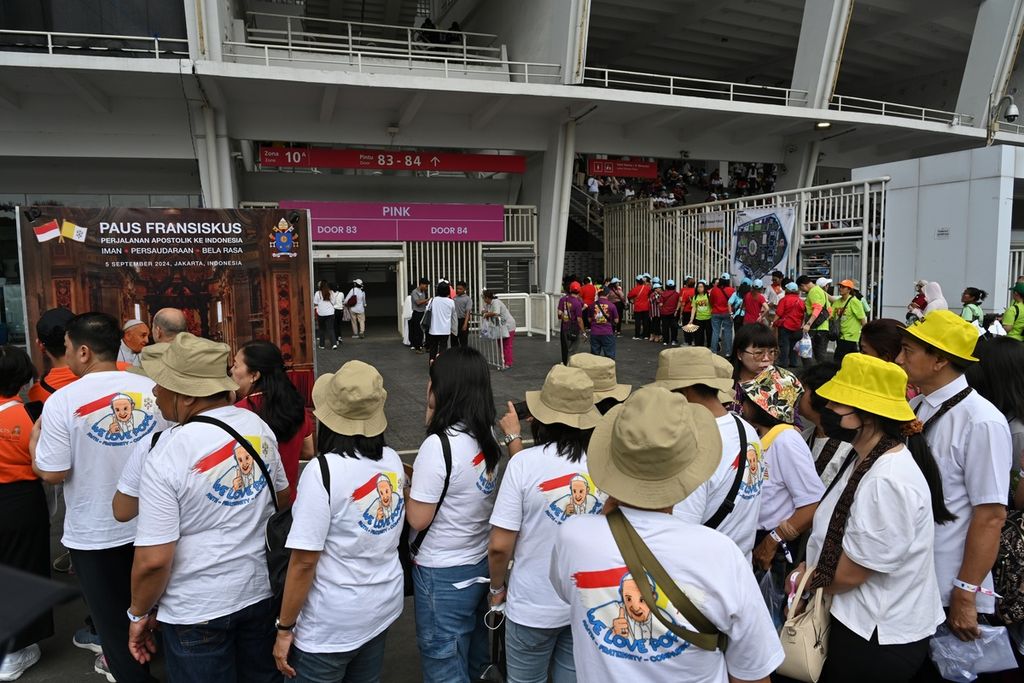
481 118
684 14
88 93
328 100
410 109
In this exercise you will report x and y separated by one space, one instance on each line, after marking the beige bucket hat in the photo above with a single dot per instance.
640 458
191 366
684 367
724 370
601 371
567 397
351 401
148 353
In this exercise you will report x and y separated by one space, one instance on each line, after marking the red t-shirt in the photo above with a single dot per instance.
752 304
640 296
15 429
291 449
686 294
719 299
790 312
588 293
669 301
55 378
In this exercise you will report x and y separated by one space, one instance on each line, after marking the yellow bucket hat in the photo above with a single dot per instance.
948 332
872 385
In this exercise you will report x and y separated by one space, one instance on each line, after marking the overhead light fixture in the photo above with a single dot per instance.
822 125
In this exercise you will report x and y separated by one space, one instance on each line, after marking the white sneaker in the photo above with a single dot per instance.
17 663
100 666
334 347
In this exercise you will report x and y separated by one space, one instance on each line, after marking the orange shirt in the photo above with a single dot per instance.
15 430
55 378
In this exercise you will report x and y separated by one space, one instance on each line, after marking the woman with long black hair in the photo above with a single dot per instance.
323 306
873 536
264 388
453 532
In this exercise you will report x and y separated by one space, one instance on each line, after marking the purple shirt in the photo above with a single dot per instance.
603 317
570 310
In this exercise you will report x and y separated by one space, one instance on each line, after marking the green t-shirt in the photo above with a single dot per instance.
1013 321
817 295
973 312
701 307
849 313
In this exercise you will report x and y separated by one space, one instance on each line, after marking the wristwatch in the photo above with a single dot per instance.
509 438
281 627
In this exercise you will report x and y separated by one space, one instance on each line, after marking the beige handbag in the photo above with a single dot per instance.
805 637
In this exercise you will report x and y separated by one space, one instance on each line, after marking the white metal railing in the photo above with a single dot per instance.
445 67
492 350
1016 270
60 42
697 240
531 311
1007 127
696 87
907 111
300 33
521 224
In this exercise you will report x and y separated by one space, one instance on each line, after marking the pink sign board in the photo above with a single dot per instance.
403 222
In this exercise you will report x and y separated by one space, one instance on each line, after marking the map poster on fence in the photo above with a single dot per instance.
761 241
238 275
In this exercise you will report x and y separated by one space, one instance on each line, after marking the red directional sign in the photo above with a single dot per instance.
390 160
623 168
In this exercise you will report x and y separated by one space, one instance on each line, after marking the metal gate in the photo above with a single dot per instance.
838 228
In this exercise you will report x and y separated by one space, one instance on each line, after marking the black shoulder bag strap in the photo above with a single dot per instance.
244 443
46 385
729 503
446 449
946 406
642 563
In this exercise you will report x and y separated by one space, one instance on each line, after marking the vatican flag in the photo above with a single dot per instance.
75 232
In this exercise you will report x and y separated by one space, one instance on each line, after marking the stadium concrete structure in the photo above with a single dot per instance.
146 103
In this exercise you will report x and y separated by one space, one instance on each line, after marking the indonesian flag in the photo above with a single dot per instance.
75 232
47 231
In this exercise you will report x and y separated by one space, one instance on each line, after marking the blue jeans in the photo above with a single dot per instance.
532 652
721 330
450 627
603 345
362 665
235 647
788 356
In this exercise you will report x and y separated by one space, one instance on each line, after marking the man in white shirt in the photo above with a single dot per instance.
970 441
705 379
87 431
203 512
623 622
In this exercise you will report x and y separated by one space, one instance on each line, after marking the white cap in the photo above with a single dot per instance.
358 282
131 323
822 281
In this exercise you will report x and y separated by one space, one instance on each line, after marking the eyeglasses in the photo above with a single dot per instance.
763 354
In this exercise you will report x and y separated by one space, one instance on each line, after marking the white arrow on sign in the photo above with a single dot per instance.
435 161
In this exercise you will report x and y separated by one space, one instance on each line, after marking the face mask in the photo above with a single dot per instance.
830 420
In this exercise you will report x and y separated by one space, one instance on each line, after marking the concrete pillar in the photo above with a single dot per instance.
994 47
226 166
820 49
576 43
801 161
211 182
553 213
195 49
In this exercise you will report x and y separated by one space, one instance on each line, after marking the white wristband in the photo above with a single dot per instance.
971 588
136 619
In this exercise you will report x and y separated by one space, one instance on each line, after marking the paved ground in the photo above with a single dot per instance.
405 378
